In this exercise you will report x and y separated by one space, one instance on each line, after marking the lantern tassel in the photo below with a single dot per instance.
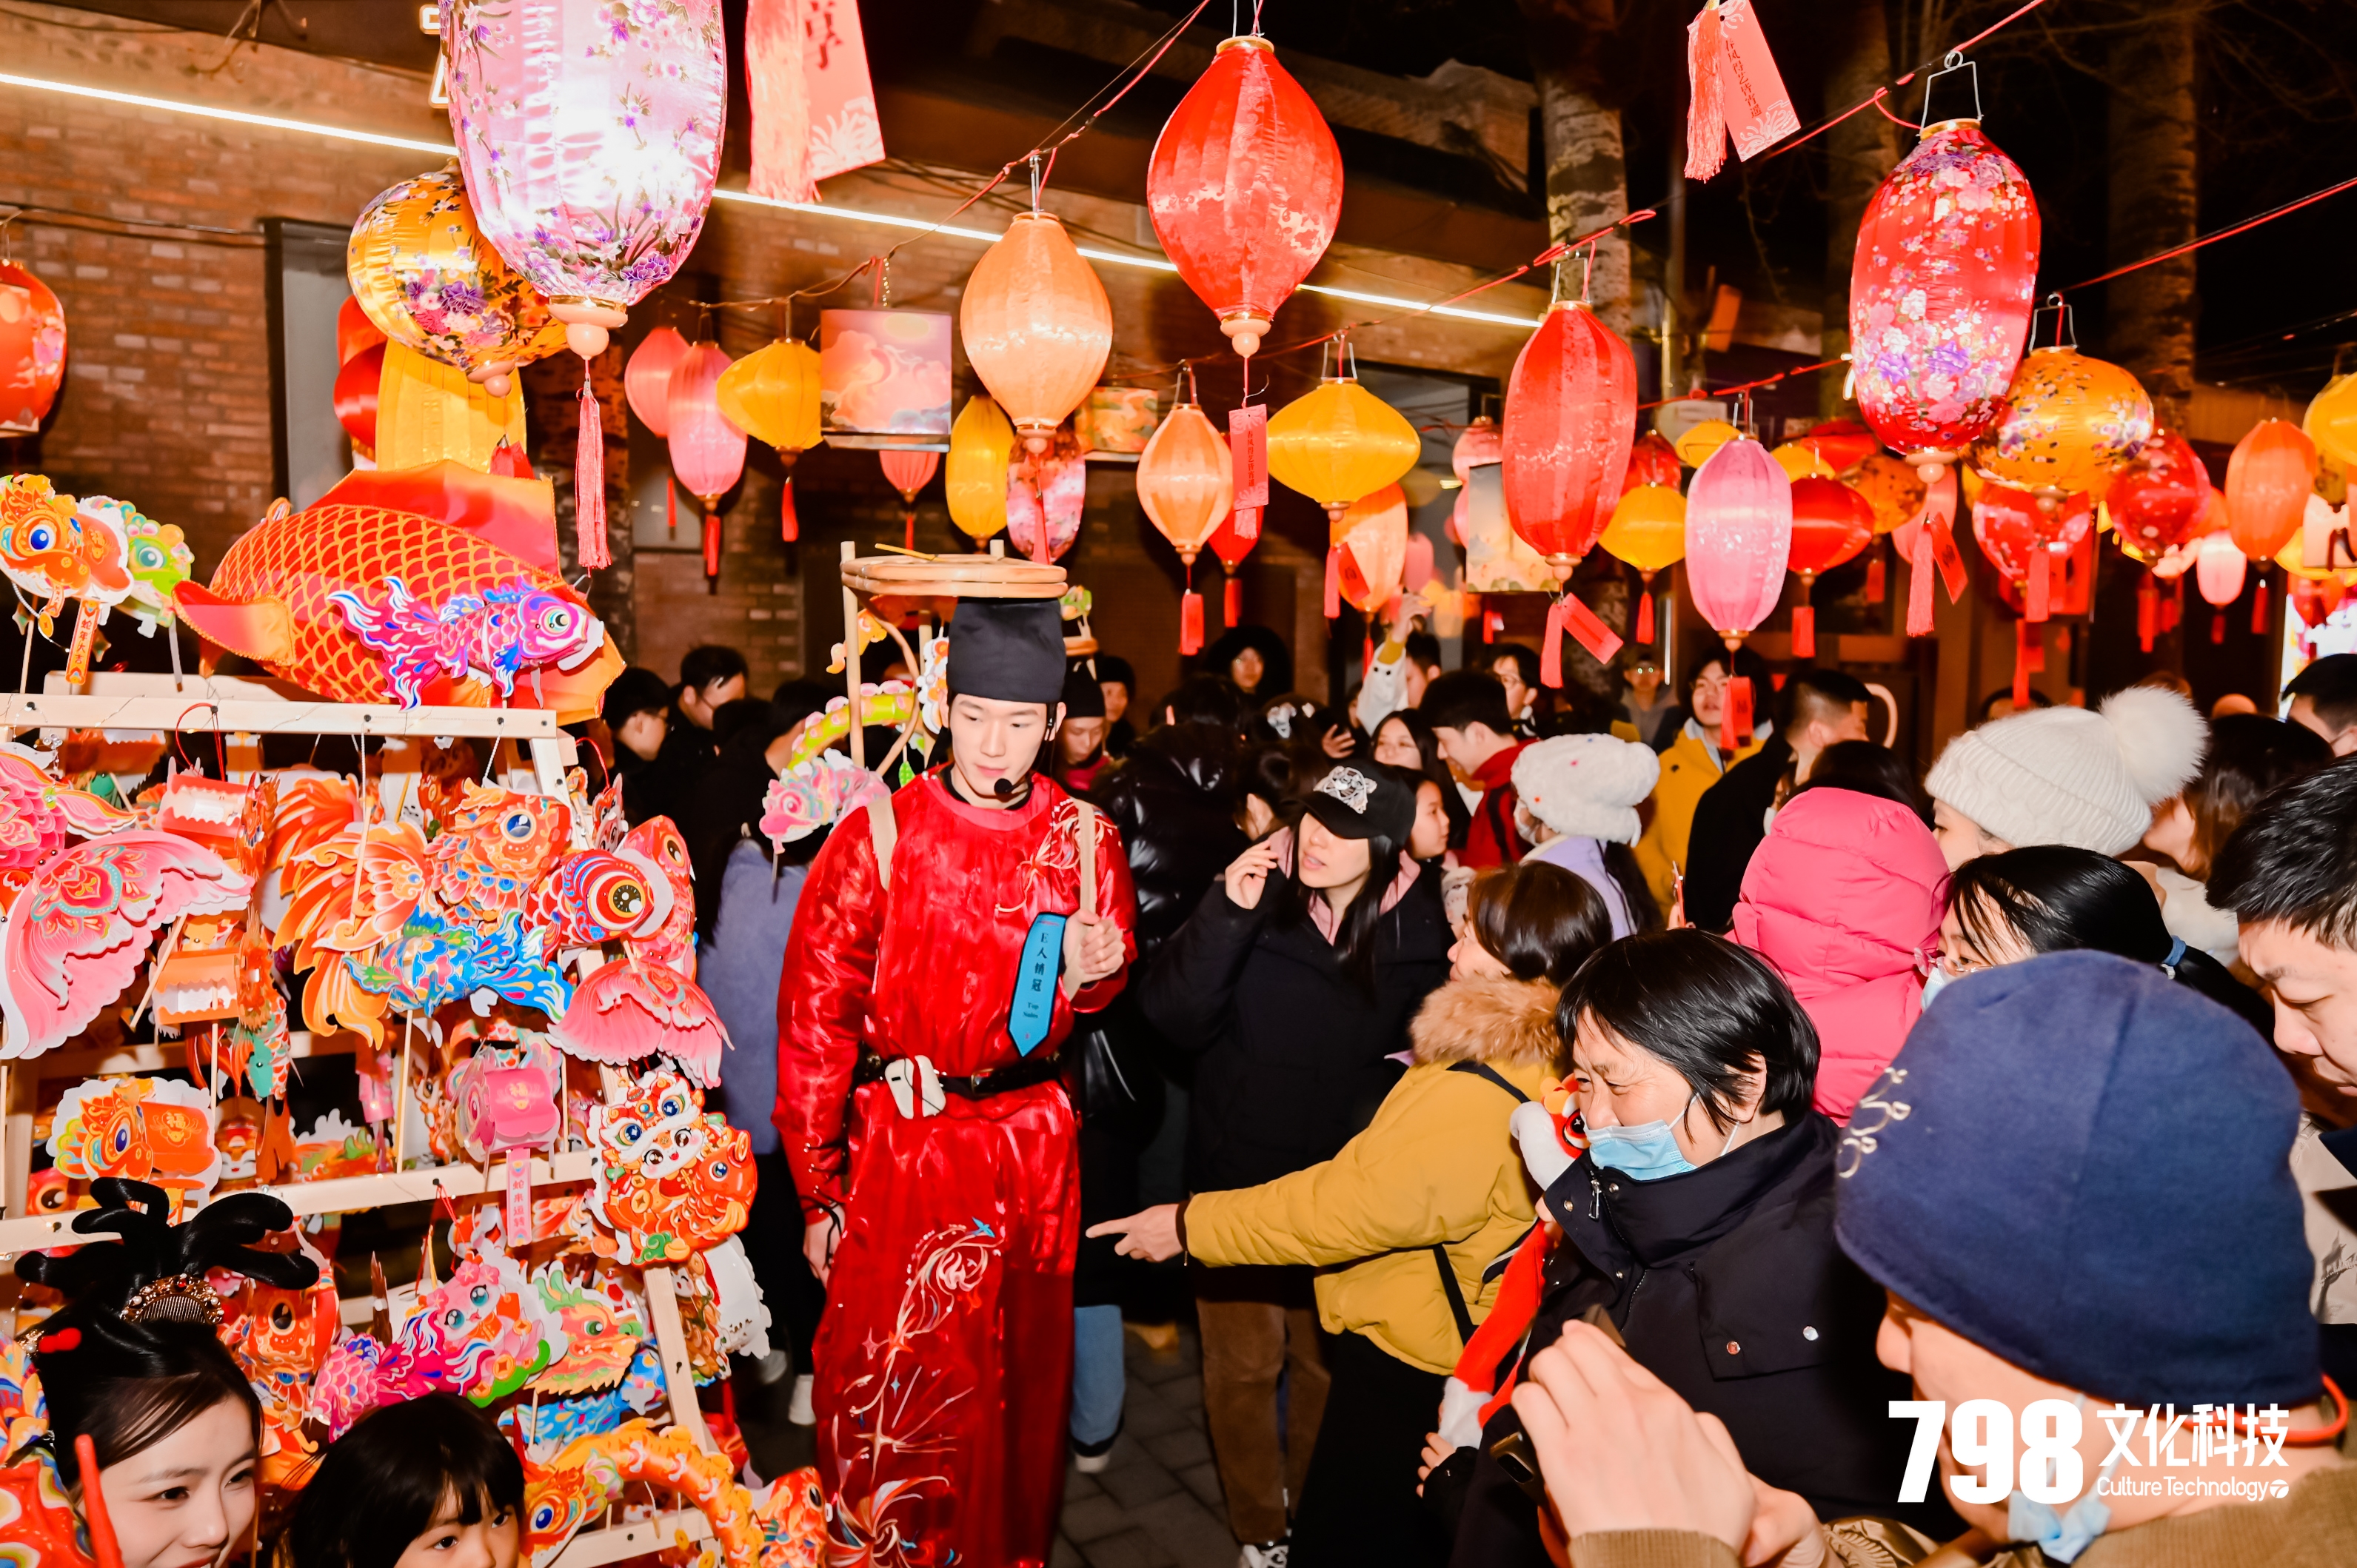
1876 584
589 482
2038 600
712 543
789 527
2021 646
1191 624
1919 585
1804 629
908 531
1706 112
2259 609
1645 616
2217 626
1233 600
1551 649
671 510
1493 623
2147 611
1333 581
1735 718
2173 609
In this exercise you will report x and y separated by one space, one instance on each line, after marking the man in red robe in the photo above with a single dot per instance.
924 995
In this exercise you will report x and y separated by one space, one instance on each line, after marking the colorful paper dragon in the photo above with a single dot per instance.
482 1333
670 1179
783 1527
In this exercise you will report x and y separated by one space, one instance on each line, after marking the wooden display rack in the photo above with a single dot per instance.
241 710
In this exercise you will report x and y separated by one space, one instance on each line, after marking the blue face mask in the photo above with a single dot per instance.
1644 1153
2061 1536
1934 983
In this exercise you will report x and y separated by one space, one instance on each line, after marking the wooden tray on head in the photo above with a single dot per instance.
952 577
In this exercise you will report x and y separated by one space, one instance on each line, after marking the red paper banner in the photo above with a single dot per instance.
1248 446
1751 93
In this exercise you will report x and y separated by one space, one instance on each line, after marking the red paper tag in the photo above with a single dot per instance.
1600 640
1248 446
1751 90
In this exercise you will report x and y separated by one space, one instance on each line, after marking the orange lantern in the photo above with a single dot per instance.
1648 531
1339 442
32 350
2072 422
1037 325
908 469
2268 480
1369 548
771 394
1185 482
1830 523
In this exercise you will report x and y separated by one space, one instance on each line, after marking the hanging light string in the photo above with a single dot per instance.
1875 100
2226 233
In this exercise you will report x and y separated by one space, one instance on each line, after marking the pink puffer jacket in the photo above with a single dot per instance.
1843 896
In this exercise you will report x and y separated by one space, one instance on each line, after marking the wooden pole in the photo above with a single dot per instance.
851 664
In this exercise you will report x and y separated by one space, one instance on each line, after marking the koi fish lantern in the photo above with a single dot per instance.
589 137
427 586
1940 300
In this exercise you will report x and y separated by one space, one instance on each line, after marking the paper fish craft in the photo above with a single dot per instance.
434 961
670 1179
37 813
53 552
160 562
480 613
494 849
628 1011
563 1492
593 896
555 1420
78 933
481 1333
141 1129
667 936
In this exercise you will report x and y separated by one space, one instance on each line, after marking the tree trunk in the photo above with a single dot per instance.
2149 322
1859 152
1586 182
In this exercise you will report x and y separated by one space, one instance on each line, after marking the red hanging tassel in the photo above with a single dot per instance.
1367 654
1706 112
2172 609
1551 649
1493 623
589 483
1805 629
1734 719
1919 584
1233 602
2147 611
789 527
1876 583
2217 626
1191 624
1645 616
908 531
712 545
2021 650
2040 599
2259 610
2036 637
1333 581
671 508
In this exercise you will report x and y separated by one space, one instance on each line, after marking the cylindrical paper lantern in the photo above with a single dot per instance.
428 280
427 412
1940 293
1739 538
1340 442
2268 480
2219 567
646 378
771 394
707 453
1571 416
975 476
1243 188
1037 325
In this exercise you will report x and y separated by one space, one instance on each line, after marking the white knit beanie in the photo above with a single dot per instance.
2070 777
1587 786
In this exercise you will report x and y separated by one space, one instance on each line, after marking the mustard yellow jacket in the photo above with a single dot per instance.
1687 769
1437 1166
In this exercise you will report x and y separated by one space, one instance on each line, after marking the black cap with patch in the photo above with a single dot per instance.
1010 650
1363 802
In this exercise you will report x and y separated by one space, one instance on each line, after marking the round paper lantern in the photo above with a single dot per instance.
1037 325
908 469
2332 421
1830 523
1843 444
707 453
1185 479
771 394
2028 538
1243 188
2157 500
32 350
1232 548
646 378
1340 442
355 333
1940 293
1652 461
1801 461
1648 531
1695 447
1371 536
356 393
2268 480
1739 538
427 279
1476 444
2071 422
1571 416
1891 487
2219 567
975 471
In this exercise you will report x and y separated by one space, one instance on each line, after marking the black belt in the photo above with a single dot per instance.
973 1085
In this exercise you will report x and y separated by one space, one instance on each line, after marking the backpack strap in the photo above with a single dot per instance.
1449 1285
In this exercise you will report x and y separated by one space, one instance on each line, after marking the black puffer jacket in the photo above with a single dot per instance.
1174 800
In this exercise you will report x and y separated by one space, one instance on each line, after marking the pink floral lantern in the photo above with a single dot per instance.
590 136
1739 541
707 453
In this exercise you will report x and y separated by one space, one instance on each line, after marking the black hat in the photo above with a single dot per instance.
1009 650
1084 697
1363 802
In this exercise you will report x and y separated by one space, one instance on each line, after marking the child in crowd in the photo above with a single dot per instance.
427 1483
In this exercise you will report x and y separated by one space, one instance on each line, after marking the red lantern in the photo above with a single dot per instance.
1232 547
2156 501
1652 461
1571 416
1940 293
1830 523
646 380
707 453
1843 444
2268 480
908 470
1245 187
355 333
32 350
2027 539
1739 538
356 387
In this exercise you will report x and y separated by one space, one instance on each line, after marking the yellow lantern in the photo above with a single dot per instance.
427 410
1037 326
1801 462
2071 422
771 394
1891 487
2332 421
1340 442
1695 447
974 475
1648 529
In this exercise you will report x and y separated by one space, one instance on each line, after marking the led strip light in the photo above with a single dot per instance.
814 208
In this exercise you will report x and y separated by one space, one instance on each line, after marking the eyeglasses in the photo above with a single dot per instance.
1957 967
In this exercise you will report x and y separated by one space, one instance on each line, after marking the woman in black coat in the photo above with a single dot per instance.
1700 1224
1292 984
